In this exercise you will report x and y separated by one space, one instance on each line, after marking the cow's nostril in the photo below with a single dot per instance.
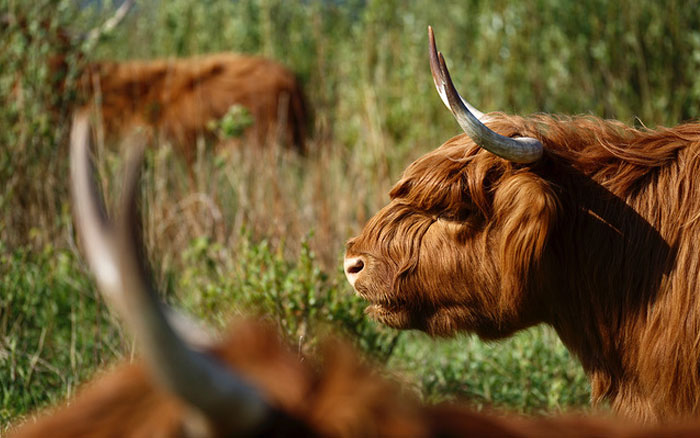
353 267
356 267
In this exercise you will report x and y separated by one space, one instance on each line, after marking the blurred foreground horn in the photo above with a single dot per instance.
113 249
518 150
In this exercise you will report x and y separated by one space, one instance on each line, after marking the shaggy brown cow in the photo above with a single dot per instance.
249 384
586 225
176 99
179 97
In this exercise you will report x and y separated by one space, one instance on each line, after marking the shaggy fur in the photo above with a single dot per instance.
597 240
179 97
339 397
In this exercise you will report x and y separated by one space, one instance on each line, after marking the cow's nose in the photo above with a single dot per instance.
353 266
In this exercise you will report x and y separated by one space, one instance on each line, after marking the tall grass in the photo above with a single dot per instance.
263 230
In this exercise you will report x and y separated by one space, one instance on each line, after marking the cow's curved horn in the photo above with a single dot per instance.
519 150
113 251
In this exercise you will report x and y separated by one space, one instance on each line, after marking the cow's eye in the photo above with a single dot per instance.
456 215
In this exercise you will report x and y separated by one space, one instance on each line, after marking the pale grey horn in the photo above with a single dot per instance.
518 150
113 252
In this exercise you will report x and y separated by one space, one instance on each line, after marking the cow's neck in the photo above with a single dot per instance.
626 291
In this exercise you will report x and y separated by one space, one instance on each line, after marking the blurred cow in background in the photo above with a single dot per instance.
177 100
249 384
584 224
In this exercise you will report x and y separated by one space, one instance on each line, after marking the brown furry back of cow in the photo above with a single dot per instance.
180 97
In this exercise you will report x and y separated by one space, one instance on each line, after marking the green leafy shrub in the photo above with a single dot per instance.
297 295
233 123
530 372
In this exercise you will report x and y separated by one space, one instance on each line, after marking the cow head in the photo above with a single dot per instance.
463 237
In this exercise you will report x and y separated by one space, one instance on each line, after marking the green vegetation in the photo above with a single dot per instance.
263 231
233 123
55 330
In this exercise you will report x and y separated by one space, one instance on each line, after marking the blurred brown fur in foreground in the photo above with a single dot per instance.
340 396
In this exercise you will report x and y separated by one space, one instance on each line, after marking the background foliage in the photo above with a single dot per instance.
262 231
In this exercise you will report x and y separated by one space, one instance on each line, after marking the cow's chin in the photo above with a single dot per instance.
390 316
395 313
437 324
444 322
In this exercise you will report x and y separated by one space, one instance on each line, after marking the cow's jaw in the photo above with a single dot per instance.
390 316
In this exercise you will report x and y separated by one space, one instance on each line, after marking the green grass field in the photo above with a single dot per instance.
263 233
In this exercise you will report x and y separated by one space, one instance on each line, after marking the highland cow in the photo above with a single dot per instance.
583 224
250 384
174 99
178 98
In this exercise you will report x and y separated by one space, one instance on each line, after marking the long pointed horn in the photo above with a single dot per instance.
519 150
112 249
435 67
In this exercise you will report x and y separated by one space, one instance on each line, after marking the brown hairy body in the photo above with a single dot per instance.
179 97
174 99
125 403
597 239
340 396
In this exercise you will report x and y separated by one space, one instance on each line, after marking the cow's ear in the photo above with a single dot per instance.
526 209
